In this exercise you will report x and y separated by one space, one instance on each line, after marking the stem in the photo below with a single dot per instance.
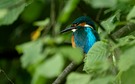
127 29
71 67
2 71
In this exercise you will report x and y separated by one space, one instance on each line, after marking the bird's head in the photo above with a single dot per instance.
81 22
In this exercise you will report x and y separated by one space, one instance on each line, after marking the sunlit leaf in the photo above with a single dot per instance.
52 40
12 8
131 14
124 41
103 80
67 10
51 67
125 0
78 78
38 79
109 23
42 23
128 76
3 12
74 54
35 34
102 3
127 59
31 53
97 57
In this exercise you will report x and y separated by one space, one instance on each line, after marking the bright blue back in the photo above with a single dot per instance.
85 38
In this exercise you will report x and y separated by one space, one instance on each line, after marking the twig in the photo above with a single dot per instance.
52 16
99 14
2 71
127 29
51 24
130 27
71 67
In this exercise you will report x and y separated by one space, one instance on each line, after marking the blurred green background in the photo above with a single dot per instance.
32 50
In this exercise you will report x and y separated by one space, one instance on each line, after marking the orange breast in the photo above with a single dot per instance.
72 41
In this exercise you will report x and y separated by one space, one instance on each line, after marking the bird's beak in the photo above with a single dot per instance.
68 29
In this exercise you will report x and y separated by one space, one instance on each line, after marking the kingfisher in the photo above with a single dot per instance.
84 33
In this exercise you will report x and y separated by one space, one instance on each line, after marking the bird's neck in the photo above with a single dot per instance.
84 38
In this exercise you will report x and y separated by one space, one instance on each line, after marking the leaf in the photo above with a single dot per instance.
128 76
33 11
3 12
51 67
124 41
31 53
12 9
42 23
103 80
127 59
74 54
131 14
97 58
67 10
102 3
38 79
78 78
109 23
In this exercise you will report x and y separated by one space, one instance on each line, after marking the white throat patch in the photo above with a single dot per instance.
73 30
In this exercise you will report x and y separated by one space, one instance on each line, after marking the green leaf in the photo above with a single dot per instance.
125 0
33 11
31 53
48 40
102 3
65 13
124 41
3 12
10 10
103 80
131 14
67 10
127 59
97 58
38 79
109 23
78 78
74 54
51 67
42 23
128 77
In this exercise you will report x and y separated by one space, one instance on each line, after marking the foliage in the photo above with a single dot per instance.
32 27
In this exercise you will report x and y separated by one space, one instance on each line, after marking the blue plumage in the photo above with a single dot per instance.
84 33
85 38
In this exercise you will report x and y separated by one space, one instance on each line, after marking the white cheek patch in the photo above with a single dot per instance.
73 30
86 25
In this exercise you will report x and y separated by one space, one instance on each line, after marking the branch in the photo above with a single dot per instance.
127 29
2 71
71 67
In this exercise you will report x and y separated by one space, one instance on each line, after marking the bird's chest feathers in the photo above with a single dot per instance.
84 38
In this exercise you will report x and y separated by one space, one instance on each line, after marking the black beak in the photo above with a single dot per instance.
67 29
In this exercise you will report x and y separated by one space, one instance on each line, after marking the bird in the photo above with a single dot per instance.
84 36
84 33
